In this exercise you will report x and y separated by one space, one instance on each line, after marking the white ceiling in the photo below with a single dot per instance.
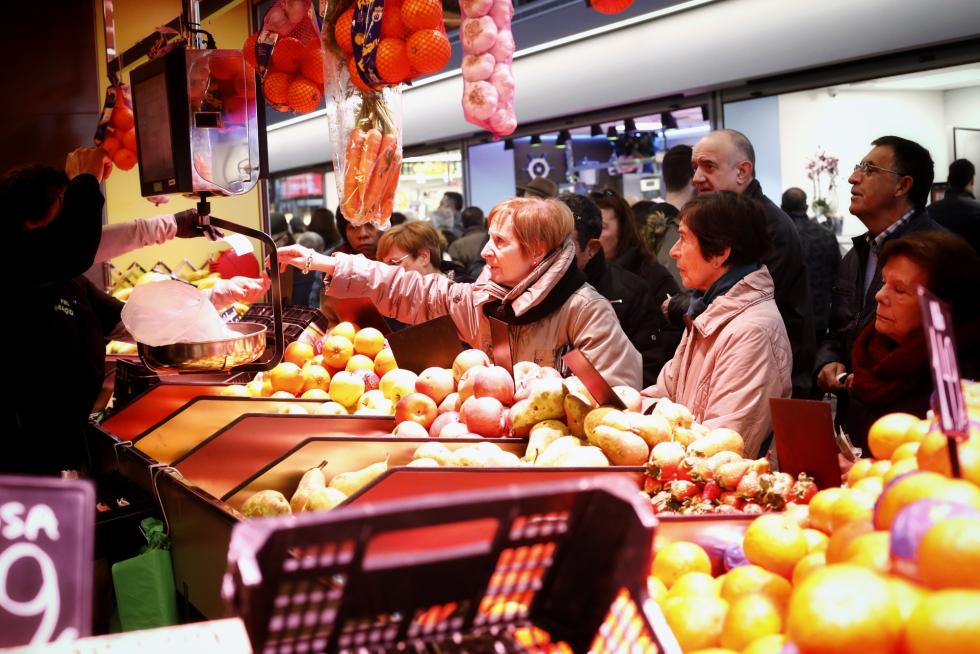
941 79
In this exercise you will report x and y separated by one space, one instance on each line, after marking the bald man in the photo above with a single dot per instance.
724 160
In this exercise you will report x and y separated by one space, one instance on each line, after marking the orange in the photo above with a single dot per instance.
766 645
283 395
421 14
355 76
880 468
809 563
111 144
124 159
774 543
798 513
428 51
748 619
304 95
287 377
121 118
254 388
359 362
816 541
337 350
392 61
697 622
392 26
918 431
852 505
905 451
918 486
869 550
694 583
315 394
276 87
844 609
316 361
749 579
313 60
888 432
342 31
656 589
287 55
248 49
949 554
315 377
843 536
298 352
899 468
267 389
369 342
858 471
906 594
820 505
947 621
934 455
871 485
678 558
384 362
128 139
345 329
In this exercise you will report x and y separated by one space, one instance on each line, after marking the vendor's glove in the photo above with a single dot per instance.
187 226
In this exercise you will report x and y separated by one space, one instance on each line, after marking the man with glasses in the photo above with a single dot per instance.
889 190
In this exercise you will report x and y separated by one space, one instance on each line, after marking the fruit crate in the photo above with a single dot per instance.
133 379
517 568
298 323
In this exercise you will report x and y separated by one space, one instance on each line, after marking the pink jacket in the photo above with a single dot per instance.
731 360
585 321
120 238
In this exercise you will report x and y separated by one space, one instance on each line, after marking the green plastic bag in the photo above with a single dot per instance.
146 596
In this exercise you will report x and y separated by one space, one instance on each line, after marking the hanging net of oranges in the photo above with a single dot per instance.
116 132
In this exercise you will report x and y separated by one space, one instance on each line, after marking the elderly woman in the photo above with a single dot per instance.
531 283
734 354
890 357
413 246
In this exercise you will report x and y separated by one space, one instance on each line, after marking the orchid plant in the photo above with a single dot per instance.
817 167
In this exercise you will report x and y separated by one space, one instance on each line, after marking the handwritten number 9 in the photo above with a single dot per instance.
47 601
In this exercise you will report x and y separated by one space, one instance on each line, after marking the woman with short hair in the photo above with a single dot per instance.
530 283
734 354
413 246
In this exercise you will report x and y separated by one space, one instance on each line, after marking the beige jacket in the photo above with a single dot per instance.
731 360
585 321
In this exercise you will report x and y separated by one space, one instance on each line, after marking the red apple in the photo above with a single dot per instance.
496 382
451 403
436 382
466 382
483 416
441 421
524 373
456 430
410 429
416 407
370 379
467 359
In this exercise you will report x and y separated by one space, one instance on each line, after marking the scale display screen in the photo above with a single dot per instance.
155 144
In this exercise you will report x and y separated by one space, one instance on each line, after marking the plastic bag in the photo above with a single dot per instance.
116 132
172 312
146 595
488 52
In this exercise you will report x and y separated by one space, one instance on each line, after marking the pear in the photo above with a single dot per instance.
312 480
351 482
503 459
324 499
435 451
607 416
265 503
677 415
557 450
587 456
577 407
542 435
470 457
622 448
422 463
653 429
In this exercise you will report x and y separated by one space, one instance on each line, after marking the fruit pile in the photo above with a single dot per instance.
889 563
119 138
488 52
294 81
390 42
313 493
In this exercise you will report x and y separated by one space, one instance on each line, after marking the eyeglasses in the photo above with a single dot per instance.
395 262
866 168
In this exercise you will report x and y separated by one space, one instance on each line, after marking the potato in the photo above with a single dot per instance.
546 402
719 440
622 448
557 450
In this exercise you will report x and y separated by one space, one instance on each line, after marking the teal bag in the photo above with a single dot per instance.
146 596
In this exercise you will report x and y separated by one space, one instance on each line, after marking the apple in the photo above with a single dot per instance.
369 377
494 381
409 429
466 382
451 403
630 397
456 430
346 388
467 359
524 373
417 407
436 382
315 394
441 421
398 383
547 372
483 416
330 409
372 399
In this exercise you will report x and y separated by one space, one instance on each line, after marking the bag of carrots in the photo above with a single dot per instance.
365 130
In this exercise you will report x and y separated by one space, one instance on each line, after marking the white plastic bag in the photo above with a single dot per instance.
172 312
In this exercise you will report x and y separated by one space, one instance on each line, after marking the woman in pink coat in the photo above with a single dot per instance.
734 354
530 283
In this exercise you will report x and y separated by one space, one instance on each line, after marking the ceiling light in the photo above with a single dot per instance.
612 134
668 121
629 126
596 130
563 137
535 141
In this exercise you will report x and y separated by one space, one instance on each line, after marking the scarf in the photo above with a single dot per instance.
700 301
502 309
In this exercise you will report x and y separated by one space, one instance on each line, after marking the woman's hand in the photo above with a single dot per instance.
304 258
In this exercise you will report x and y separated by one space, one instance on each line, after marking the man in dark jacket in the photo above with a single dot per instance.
637 306
466 249
959 211
821 252
889 189
725 161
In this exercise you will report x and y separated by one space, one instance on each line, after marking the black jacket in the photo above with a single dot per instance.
850 310
822 255
637 307
959 212
788 269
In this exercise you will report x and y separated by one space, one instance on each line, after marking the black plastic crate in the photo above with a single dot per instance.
132 379
453 573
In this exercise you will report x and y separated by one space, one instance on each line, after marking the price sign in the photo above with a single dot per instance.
47 534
